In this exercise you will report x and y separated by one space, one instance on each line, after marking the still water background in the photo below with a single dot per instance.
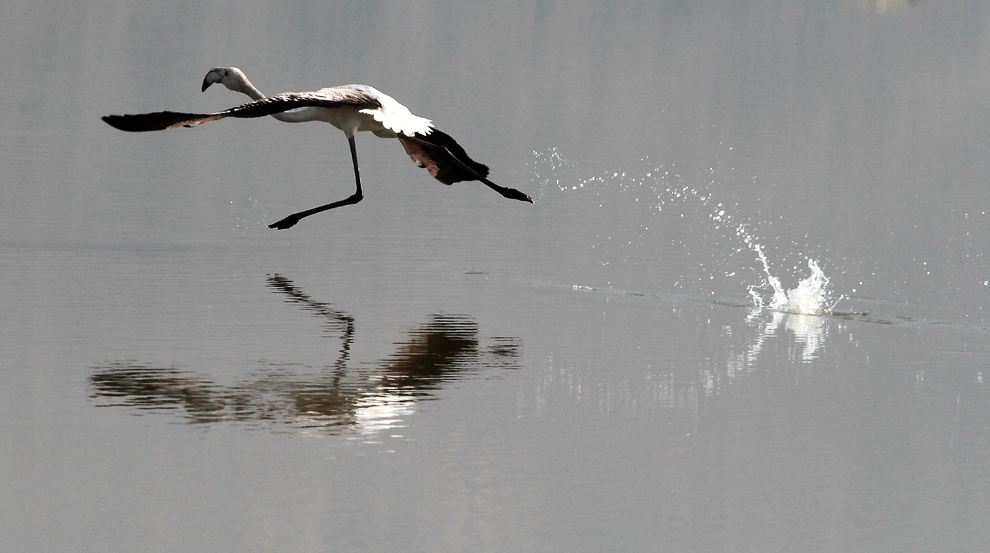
440 369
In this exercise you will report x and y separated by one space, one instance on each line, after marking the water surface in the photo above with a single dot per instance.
439 369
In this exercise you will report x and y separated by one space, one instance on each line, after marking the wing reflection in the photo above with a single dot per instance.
344 396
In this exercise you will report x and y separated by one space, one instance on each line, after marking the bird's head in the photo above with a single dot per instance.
231 77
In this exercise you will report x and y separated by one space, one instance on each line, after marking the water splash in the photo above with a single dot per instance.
658 190
812 296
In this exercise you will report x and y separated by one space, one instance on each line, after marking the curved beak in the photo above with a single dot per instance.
212 76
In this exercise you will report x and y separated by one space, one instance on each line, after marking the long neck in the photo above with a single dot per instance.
245 86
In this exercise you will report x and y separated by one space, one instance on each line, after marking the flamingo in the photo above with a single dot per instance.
351 108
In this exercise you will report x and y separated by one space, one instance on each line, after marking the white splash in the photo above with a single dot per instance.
812 296
658 190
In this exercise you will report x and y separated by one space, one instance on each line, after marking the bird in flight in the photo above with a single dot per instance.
351 108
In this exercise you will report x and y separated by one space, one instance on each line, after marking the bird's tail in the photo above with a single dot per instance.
443 157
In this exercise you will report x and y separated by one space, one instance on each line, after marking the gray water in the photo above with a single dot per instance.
441 369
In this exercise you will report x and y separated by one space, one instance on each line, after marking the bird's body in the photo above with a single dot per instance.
365 109
352 109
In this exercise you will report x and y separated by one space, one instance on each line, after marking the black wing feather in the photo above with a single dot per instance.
158 121
162 120
443 157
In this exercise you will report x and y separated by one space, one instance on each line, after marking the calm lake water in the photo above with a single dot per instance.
441 369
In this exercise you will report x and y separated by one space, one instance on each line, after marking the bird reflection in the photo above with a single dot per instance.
343 396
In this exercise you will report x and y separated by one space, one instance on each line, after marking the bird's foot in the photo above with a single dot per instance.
288 222
514 194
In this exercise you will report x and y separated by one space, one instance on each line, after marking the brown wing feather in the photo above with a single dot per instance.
435 152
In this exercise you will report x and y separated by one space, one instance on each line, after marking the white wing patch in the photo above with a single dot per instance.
393 115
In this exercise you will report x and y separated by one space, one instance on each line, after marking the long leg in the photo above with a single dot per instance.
352 199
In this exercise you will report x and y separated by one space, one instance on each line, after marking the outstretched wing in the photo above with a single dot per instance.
162 120
159 120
